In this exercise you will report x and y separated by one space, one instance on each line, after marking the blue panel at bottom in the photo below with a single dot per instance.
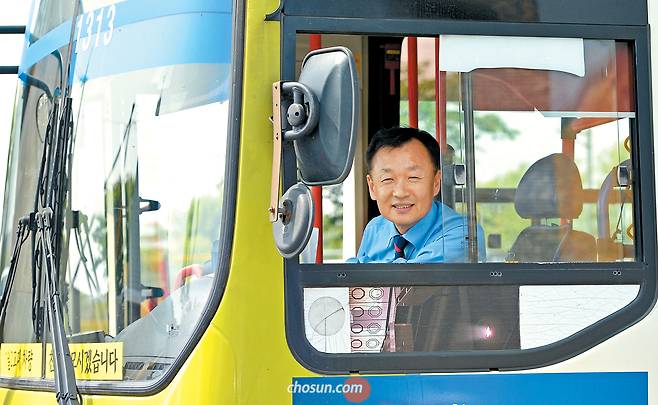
475 389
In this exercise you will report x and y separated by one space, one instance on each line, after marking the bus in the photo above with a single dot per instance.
186 193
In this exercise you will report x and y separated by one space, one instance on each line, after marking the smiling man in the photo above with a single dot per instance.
403 178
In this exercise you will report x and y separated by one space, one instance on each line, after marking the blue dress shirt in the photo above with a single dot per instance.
440 236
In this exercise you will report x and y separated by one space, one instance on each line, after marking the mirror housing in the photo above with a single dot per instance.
325 155
292 230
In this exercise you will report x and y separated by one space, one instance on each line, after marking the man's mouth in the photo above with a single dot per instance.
402 206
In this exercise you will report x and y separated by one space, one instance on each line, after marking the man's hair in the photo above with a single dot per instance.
396 137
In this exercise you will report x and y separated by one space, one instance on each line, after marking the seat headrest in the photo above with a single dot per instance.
550 188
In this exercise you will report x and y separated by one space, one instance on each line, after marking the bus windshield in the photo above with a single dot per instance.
150 93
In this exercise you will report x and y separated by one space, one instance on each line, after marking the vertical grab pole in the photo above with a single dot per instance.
412 80
469 142
440 98
316 191
568 146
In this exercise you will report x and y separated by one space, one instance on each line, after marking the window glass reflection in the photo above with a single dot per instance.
147 190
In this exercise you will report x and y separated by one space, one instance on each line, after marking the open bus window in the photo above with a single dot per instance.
552 182
550 156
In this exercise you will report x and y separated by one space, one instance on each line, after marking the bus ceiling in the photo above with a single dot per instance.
559 77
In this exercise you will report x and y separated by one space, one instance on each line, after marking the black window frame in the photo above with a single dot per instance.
642 272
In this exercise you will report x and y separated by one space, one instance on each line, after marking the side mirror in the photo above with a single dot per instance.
319 114
325 154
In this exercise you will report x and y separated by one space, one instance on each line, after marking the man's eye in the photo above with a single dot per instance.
414 178
387 180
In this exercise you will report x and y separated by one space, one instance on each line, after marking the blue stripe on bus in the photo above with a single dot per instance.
197 38
205 26
476 389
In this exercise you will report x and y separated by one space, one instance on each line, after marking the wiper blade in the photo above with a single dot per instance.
46 225
67 390
79 224
22 234
41 224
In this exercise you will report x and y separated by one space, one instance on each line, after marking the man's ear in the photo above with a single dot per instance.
371 187
436 185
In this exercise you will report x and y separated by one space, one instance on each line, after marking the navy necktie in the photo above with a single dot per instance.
399 242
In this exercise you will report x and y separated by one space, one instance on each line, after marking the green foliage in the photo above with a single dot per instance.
502 218
489 125
486 124
332 222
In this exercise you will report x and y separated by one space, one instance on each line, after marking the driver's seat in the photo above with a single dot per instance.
551 188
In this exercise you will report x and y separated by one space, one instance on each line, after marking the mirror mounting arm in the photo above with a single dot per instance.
302 115
276 151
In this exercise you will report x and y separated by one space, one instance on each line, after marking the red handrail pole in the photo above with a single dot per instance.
568 147
316 191
412 80
440 98
315 42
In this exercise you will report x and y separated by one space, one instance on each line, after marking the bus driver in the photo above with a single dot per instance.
403 178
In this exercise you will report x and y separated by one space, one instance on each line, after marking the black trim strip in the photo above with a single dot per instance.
365 274
609 12
12 29
403 27
146 388
8 70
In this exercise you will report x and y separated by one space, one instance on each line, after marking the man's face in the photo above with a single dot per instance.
403 182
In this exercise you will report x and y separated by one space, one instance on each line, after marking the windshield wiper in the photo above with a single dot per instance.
48 243
49 238
22 234
78 224
45 224
40 225
67 390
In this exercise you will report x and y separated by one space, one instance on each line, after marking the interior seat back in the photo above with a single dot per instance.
551 188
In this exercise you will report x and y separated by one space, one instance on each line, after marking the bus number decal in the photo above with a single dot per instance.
107 37
97 18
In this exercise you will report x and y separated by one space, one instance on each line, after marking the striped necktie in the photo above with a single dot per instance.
399 242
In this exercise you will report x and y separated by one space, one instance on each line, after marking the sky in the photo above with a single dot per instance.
13 12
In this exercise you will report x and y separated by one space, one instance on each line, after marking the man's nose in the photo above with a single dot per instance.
401 189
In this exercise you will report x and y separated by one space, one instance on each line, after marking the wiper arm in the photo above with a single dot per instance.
67 390
46 224
41 223
80 223
22 234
